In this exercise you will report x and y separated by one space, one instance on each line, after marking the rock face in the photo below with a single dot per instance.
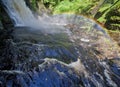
35 58
5 20
20 69
65 51
1 26
22 64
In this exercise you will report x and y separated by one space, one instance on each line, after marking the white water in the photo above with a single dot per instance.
20 13
23 16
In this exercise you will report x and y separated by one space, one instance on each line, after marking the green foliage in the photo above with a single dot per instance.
104 9
34 4
113 18
75 6
69 6
50 4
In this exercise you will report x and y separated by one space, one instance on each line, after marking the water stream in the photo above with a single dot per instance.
63 50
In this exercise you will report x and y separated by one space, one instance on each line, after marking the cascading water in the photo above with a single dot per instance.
20 13
23 16
67 51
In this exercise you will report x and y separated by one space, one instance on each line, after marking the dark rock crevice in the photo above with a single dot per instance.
4 17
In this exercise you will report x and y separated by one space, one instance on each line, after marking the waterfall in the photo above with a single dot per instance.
56 51
23 16
20 13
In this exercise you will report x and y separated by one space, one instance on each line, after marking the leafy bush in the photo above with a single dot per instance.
75 6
